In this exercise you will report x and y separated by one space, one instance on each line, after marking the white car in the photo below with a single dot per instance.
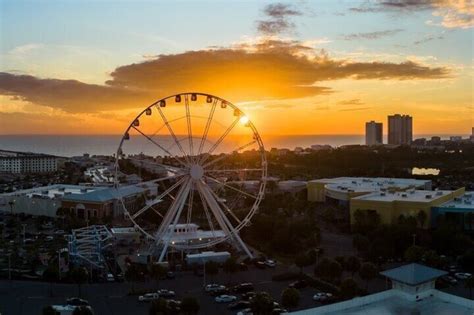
214 287
462 275
245 311
148 297
225 298
270 263
322 296
166 293
110 277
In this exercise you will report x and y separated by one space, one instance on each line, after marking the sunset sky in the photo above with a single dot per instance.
296 67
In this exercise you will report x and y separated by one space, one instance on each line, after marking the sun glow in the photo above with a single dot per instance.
244 120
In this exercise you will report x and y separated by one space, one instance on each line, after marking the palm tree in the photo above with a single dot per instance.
79 276
230 266
367 271
421 218
469 283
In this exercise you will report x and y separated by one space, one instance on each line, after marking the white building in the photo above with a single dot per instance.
204 257
342 189
24 162
185 234
413 292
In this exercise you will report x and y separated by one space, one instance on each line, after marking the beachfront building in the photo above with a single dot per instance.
413 292
459 211
373 133
342 189
400 129
26 162
390 205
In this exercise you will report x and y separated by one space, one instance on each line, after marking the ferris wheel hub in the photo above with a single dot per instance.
196 171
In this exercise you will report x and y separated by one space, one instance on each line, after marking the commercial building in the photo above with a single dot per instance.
390 205
373 133
459 211
342 189
400 129
413 292
25 162
83 201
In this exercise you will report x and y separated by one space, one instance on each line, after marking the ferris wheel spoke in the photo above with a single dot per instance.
190 204
231 187
237 170
226 155
222 137
168 126
190 131
219 200
160 146
206 212
157 199
175 215
208 124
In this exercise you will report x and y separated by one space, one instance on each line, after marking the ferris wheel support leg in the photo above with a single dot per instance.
223 220
180 205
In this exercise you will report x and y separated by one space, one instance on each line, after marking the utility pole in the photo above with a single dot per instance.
414 239
59 264
24 227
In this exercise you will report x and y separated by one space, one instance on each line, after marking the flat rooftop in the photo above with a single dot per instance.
54 191
369 184
464 202
411 195
392 303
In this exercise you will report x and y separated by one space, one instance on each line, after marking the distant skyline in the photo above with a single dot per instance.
296 67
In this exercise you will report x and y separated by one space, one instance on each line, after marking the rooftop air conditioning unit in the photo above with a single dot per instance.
468 202
404 195
382 194
428 196
439 193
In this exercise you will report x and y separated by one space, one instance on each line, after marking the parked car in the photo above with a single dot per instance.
110 277
77 302
462 275
322 296
278 310
147 297
49 238
225 298
170 275
166 293
246 311
270 263
174 305
214 287
450 280
243 267
243 287
260 264
238 305
299 284
220 291
248 296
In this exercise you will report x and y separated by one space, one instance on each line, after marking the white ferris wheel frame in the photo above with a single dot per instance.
191 175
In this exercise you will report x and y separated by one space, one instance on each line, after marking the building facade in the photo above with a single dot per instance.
373 133
24 163
400 129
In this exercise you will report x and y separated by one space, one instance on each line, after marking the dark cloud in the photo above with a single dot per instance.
355 101
395 5
278 19
371 35
268 70
427 39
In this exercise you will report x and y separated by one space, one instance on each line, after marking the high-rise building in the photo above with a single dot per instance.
400 129
373 133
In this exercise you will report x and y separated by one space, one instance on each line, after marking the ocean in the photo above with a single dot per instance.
73 145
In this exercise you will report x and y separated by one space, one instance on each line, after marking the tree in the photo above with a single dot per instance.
159 307
82 310
78 276
361 243
335 270
414 253
157 272
230 266
322 268
352 264
367 272
49 310
469 283
421 218
212 268
189 305
51 274
302 260
349 288
290 297
262 304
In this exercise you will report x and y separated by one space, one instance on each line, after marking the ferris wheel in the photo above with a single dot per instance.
204 168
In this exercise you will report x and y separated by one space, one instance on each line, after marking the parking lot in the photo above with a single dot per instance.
25 297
